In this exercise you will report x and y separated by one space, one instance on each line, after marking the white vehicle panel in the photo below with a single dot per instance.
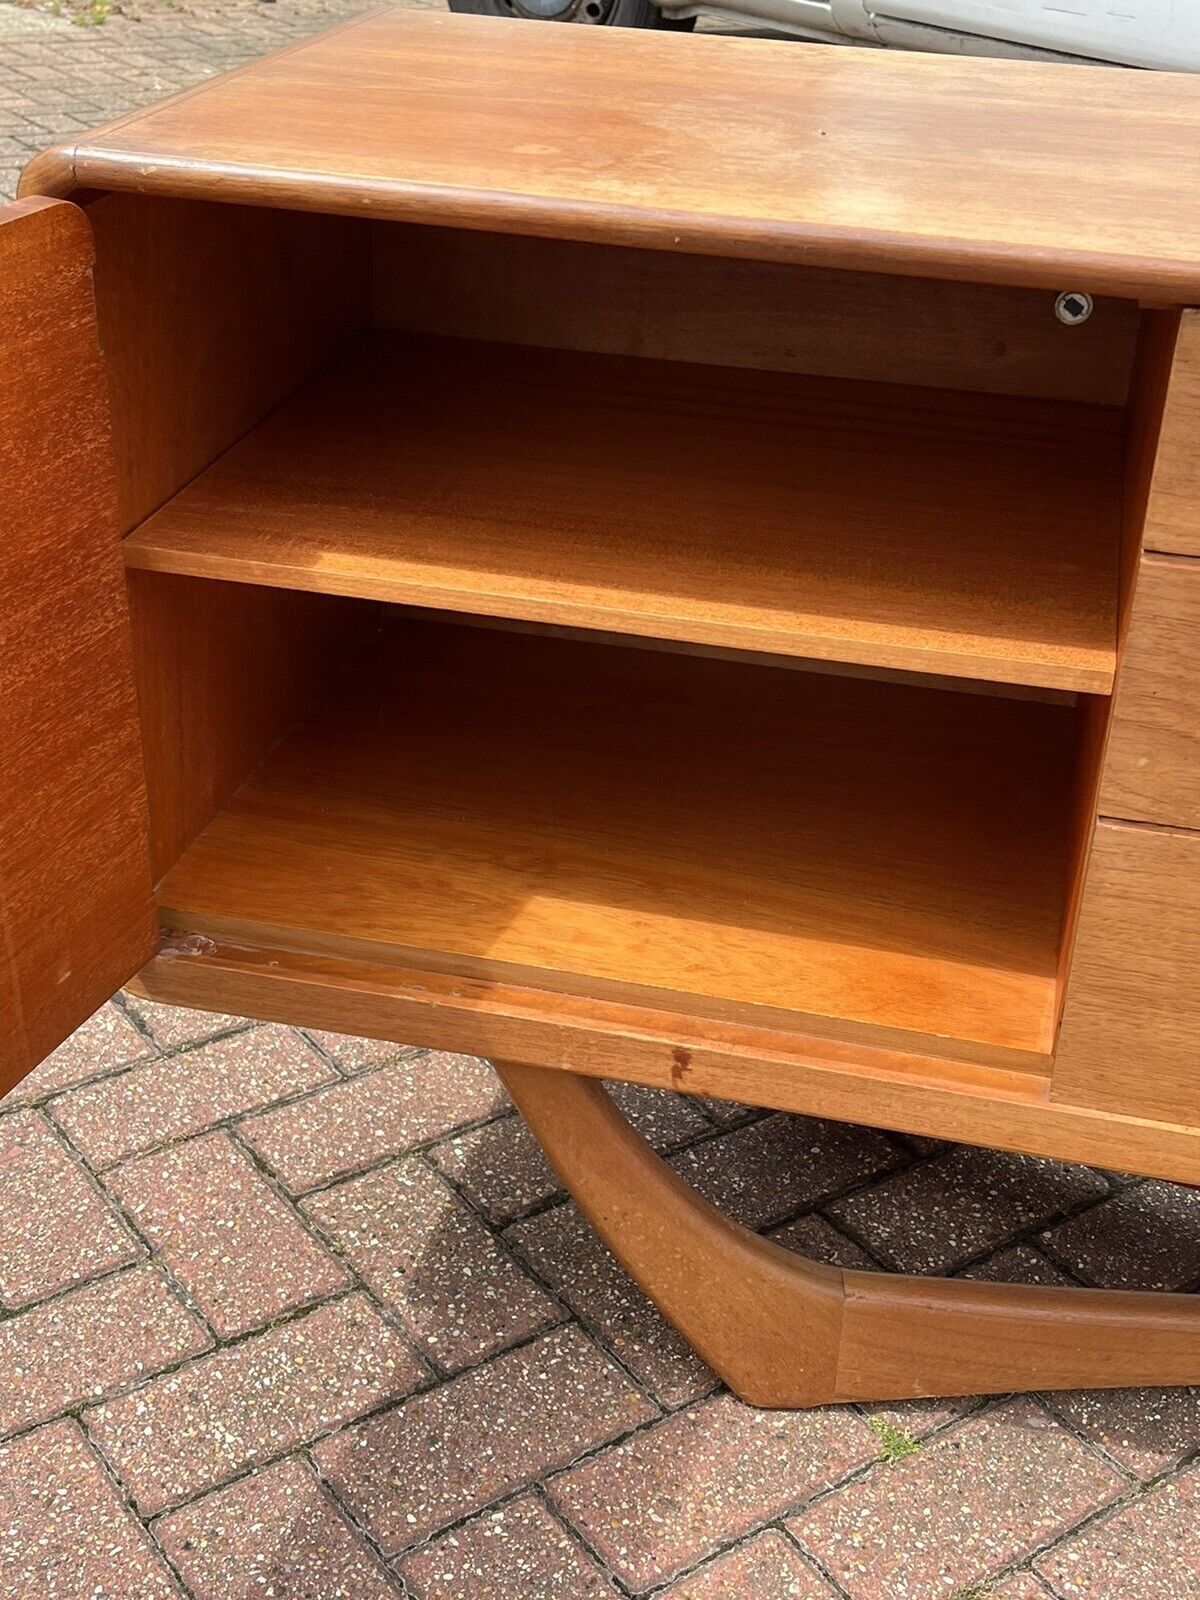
1149 33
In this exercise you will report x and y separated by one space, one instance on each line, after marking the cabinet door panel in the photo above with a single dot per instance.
76 916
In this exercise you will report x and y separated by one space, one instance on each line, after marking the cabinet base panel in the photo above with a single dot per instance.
785 1071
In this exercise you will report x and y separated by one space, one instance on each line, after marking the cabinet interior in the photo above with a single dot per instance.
728 636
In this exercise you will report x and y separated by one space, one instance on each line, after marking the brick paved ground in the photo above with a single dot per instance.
299 1317
286 1314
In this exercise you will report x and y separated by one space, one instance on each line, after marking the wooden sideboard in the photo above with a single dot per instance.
613 553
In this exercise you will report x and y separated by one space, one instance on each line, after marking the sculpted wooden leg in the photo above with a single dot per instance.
783 1331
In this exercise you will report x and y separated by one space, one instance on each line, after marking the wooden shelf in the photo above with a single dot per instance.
915 529
742 842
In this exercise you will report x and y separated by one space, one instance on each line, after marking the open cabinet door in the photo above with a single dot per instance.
76 915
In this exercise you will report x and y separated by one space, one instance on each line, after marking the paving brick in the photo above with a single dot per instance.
239 1250
444 1455
358 1055
518 1550
1020 1263
236 1408
502 1169
1149 1550
921 1144
172 1027
916 1418
360 1122
1146 1430
813 1236
665 1498
55 1227
563 1248
65 1533
665 1119
1021 1586
760 1174
163 1100
433 1263
972 1502
767 1568
728 1113
274 1534
937 1216
1147 1237
104 1043
90 1342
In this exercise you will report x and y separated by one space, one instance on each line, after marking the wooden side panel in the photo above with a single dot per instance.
209 315
75 911
223 669
1173 515
1154 352
747 314
1130 1038
1153 769
1130 1035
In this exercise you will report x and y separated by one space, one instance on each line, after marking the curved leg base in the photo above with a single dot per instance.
784 1331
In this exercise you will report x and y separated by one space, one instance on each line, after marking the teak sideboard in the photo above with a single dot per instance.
638 557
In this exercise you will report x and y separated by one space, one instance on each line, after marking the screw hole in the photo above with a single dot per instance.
1073 307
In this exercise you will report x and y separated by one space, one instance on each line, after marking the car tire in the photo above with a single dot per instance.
597 13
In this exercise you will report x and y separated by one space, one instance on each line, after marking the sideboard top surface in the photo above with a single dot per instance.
1049 175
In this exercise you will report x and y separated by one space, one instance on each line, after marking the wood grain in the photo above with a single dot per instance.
1152 773
222 671
995 171
1173 515
763 314
785 1331
911 528
76 917
1157 333
912 1092
934 1336
1130 1039
607 821
209 316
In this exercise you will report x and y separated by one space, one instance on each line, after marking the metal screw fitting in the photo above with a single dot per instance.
1073 307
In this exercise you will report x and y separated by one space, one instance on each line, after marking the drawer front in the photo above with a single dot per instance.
1152 772
1130 1036
1173 512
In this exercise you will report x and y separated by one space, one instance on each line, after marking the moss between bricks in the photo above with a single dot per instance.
895 1445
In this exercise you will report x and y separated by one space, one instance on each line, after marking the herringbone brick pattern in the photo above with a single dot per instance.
294 1316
